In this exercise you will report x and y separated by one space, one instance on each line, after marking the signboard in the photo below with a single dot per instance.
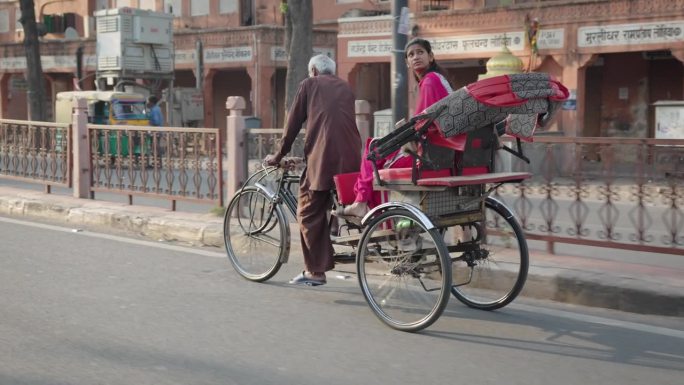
453 45
48 62
551 38
279 53
228 55
626 34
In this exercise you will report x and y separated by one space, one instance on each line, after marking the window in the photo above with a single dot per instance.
123 3
199 7
148 4
228 6
4 21
17 24
174 6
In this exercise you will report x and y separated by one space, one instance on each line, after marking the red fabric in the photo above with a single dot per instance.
363 188
461 180
405 174
430 90
344 185
497 92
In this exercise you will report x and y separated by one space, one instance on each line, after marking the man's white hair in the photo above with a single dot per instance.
324 65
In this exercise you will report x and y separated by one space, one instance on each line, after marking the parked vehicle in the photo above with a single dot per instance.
107 108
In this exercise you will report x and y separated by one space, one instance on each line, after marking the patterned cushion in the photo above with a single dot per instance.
524 100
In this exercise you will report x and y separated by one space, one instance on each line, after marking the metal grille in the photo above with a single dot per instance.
452 206
107 24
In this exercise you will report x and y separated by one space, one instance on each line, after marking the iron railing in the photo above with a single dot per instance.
610 192
264 141
176 163
36 152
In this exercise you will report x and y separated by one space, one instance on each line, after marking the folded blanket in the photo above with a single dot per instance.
525 101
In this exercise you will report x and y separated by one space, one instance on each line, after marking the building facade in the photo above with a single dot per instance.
618 57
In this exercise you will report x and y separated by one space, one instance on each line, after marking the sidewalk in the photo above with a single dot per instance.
585 281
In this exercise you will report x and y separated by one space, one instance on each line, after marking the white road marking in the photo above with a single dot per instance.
141 242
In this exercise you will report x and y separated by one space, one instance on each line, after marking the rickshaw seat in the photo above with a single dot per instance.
467 180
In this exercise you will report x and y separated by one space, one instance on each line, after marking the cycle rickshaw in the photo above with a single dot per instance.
440 232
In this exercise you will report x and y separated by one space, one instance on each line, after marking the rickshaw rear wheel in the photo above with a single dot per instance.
492 276
404 271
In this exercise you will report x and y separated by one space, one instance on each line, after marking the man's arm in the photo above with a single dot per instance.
295 119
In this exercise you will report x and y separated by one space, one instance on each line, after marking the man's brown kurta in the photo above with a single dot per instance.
332 145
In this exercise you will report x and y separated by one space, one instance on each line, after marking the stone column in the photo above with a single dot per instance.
362 108
262 94
235 145
79 139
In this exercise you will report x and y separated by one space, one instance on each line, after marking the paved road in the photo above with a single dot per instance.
84 308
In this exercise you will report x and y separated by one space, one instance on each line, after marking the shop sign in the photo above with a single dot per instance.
626 34
227 55
453 45
551 38
369 48
18 83
279 53
47 62
570 104
184 56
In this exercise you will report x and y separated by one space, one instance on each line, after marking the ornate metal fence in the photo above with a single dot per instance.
170 162
609 192
36 152
264 141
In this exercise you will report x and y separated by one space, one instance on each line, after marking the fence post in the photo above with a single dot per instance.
362 108
235 145
79 138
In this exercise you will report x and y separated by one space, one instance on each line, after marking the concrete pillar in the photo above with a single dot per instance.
363 111
80 149
235 145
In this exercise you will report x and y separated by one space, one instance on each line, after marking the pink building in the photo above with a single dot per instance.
617 56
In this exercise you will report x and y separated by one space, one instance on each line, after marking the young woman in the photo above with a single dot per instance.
432 86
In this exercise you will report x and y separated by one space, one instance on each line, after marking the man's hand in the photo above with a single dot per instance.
271 160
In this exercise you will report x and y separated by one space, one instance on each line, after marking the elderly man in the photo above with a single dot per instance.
332 146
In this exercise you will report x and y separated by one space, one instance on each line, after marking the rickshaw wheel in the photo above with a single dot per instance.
404 271
491 276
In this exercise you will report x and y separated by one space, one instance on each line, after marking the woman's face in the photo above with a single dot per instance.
418 59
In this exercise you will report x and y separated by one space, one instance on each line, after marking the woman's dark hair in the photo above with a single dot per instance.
434 67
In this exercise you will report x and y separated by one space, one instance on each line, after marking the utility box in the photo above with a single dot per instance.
131 40
382 123
669 119
188 107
